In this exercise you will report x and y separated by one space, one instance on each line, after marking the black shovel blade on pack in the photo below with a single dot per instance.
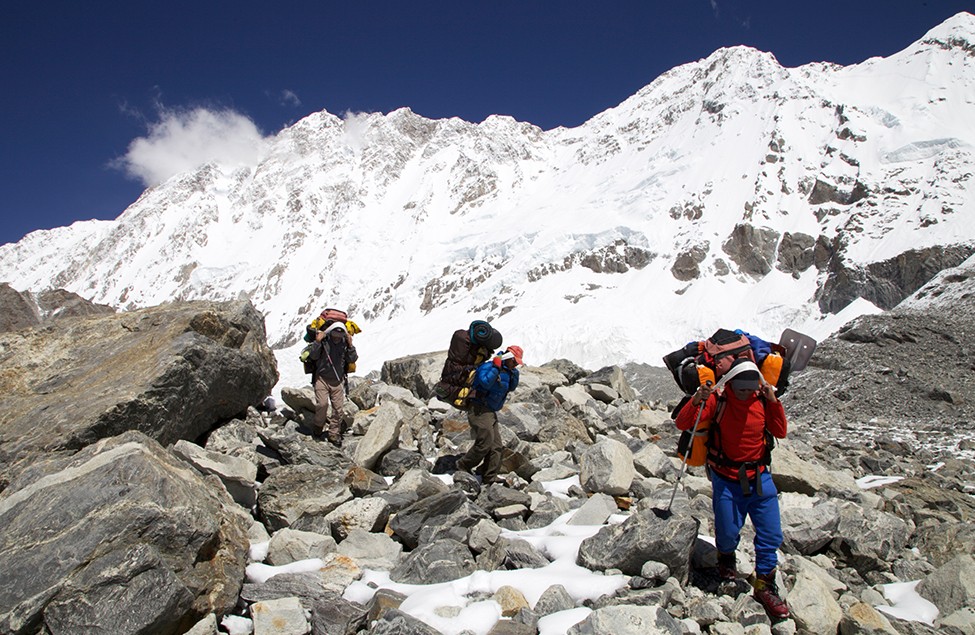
799 348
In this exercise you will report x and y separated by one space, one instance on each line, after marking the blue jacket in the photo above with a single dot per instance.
493 385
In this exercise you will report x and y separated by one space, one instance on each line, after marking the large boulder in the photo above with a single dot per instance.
607 467
431 511
868 538
808 524
952 586
613 377
238 475
812 604
120 538
643 536
300 497
752 248
417 373
171 371
382 433
435 562
628 620
793 474
531 378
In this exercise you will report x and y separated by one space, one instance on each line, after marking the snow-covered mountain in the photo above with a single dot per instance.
730 191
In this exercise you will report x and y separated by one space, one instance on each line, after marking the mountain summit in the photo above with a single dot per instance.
730 191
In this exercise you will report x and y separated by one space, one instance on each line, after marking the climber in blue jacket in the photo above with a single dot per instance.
493 381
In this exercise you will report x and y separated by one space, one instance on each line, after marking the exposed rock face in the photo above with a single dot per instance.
887 283
59 303
845 194
146 545
417 373
687 264
16 310
752 248
23 310
172 372
796 253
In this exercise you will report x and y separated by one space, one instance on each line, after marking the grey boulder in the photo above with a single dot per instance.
121 538
172 371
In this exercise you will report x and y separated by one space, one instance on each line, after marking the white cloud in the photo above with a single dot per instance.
356 126
185 140
714 7
290 98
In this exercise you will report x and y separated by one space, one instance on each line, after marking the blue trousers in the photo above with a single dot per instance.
730 509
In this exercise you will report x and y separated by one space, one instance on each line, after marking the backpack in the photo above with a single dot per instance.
303 357
468 349
325 319
708 360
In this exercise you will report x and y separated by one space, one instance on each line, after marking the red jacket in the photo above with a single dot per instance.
743 426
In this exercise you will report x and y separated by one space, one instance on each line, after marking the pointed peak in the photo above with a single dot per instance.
957 32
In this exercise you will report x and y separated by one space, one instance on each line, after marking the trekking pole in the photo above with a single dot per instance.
687 454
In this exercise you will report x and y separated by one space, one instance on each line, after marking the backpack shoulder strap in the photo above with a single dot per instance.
714 432
716 451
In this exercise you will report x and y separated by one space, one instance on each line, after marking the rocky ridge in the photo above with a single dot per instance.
155 539
21 310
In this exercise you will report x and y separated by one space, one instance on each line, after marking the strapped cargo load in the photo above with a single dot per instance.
709 362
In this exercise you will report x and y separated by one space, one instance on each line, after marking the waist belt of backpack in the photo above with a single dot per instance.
743 479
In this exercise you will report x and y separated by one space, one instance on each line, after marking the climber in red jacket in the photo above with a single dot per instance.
743 415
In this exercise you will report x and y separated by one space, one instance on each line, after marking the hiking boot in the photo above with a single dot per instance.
727 567
335 439
767 594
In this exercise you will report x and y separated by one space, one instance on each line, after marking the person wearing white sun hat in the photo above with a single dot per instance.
744 412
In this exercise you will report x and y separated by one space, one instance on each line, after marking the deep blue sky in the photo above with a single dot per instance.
82 80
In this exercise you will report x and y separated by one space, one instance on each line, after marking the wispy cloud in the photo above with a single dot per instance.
289 98
356 126
714 8
184 140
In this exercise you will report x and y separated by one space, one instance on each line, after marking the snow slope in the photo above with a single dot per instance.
730 191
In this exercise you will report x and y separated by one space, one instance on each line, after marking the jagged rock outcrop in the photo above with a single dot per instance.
16 310
752 248
887 283
687 264
796 253
23 310
172 371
